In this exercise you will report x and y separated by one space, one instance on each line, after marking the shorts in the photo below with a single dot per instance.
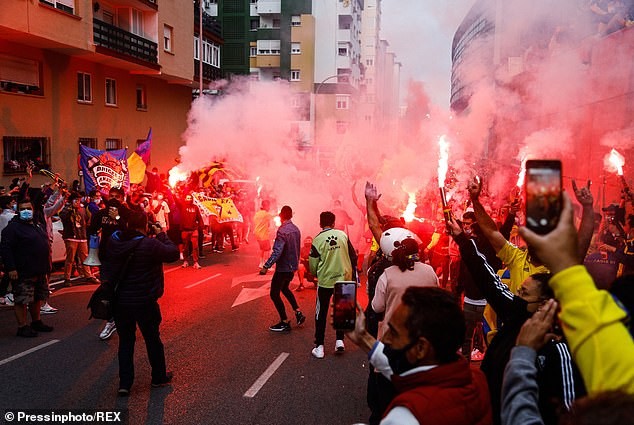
264 245
30 289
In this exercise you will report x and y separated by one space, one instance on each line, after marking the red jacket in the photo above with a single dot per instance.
449 394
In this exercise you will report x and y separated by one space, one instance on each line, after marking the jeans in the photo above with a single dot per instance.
321 315
81 250
280 283
190 235
148 317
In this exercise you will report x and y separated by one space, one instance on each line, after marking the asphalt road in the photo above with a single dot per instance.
217 342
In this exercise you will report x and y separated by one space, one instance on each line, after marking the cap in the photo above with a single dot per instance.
611 207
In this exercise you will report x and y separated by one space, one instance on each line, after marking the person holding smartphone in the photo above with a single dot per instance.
331 259
418 353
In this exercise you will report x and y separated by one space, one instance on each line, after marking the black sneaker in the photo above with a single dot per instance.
165 381
26 331
280 327
300 317
123 392
38 326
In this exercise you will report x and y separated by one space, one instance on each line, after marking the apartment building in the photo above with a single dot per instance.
92 72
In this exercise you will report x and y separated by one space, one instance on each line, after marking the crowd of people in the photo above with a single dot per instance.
469 321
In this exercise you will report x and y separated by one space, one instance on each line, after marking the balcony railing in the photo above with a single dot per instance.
124 42
210 73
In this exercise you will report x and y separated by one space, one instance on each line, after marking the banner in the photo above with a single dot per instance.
140 158
104 169
222 208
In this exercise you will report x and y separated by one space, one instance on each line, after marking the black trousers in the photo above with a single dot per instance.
321 314
148 317
280 284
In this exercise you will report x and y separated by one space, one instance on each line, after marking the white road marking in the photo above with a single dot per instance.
259 383
251 277
172 269
250 294
203 281
29 351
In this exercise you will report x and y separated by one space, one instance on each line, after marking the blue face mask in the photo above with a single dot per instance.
26 215
14 207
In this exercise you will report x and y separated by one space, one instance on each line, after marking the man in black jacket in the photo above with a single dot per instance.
24 250
135 261
559 379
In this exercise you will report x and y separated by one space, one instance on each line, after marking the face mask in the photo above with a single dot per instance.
14 207
26 215
468 232
398 359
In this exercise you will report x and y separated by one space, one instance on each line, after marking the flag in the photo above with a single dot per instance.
104 169
207 174
140 158
222 208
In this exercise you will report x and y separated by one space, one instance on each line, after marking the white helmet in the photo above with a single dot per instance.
391 239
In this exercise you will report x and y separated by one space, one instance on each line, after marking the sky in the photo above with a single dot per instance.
420 33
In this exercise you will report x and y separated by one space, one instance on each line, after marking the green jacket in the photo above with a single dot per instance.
332 258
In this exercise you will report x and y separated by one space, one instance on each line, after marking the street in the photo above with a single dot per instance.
228 367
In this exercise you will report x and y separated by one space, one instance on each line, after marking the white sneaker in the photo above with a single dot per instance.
318 352
181 257
339 346
185 264
8 299
107 331
47 309
197 266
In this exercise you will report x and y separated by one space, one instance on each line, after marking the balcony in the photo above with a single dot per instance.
124 43
210 73
269 6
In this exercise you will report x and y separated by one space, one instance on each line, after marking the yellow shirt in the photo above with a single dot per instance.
262 224
600 344
519 267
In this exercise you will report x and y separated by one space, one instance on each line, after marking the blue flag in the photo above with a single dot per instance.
104 169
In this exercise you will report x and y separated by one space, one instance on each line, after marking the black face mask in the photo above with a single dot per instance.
398 359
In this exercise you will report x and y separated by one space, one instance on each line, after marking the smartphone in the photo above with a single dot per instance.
345 305
543 195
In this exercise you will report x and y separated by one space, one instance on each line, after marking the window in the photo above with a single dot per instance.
276 23
111 92
296 48
89 142
196 48
84 87
342 101
369 62
65 5
255 23
215 56
167 38
253 51
268 47
295 75
19 75
20 151
343 51
137 23
141 98
113 144
296 20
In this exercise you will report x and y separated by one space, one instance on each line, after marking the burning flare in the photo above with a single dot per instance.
616 161
177 175
522 174
443 160
408 215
